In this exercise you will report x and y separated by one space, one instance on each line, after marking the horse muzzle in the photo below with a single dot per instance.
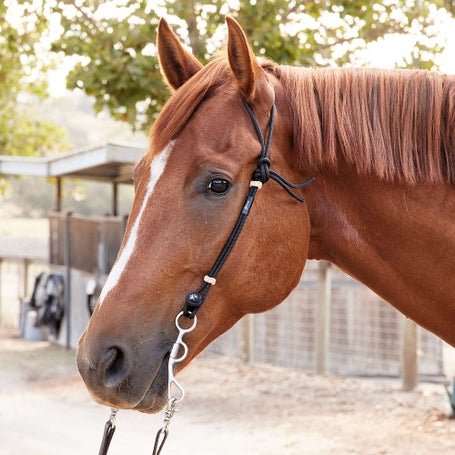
124 375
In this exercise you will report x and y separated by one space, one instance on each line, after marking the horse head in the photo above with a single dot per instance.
189 189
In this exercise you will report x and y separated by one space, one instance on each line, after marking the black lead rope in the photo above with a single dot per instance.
109 430
261 175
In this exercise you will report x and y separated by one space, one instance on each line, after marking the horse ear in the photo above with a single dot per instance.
242 60
177 64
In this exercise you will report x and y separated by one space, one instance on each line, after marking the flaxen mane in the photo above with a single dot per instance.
396 124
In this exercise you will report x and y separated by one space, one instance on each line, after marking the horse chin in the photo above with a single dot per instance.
155 398
151 403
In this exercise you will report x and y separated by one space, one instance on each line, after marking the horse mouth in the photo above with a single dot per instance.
155 397
126 378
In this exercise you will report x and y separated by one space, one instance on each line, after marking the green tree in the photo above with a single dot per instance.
117 65
22 28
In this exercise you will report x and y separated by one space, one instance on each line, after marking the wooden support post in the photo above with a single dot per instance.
409 356
25 270
58 195
114 198
323 318
248 338
67 288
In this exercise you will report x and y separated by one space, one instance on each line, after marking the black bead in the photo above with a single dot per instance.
192 303
194 299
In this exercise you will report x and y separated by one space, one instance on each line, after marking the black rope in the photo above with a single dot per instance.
195 299
286 185
160 439
109 430
262 173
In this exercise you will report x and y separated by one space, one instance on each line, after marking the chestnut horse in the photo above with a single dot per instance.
381 146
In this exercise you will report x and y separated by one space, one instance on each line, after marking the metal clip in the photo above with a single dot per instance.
175 392
173 384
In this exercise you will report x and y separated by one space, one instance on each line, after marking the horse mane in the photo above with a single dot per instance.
396 124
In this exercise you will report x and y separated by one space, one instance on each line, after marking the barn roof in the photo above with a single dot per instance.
107 162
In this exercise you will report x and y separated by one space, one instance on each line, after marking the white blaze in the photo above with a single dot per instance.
156 169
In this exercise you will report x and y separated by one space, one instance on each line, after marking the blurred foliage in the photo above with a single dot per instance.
117 65
22 27
113 45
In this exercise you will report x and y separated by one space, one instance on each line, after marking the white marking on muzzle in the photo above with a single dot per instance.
156 169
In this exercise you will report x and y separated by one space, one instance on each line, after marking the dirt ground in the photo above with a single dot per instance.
230 408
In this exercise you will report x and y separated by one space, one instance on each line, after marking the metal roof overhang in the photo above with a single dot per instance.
110 163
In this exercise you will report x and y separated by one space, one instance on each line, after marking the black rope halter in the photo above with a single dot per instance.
195 299
261 175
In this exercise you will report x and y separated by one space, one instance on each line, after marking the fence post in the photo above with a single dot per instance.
409 356
323 318
67 288
25 270
248 338
58 195
114 208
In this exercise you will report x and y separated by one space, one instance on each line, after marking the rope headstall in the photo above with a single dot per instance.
261 175
195 299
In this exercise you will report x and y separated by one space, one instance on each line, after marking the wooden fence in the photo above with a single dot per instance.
329 324
358 334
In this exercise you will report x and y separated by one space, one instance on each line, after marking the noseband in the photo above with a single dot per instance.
195 299
261 175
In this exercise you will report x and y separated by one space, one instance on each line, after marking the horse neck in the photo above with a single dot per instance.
396 239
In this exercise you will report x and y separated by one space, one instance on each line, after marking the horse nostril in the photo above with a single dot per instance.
115 367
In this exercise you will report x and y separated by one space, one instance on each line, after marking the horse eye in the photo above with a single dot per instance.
218 186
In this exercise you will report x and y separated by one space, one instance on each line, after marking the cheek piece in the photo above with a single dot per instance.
261 175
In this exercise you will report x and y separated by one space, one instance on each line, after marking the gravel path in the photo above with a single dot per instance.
231 408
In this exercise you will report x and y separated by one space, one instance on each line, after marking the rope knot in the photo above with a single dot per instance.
262 171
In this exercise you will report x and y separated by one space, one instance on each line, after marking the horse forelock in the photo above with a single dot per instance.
396 124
